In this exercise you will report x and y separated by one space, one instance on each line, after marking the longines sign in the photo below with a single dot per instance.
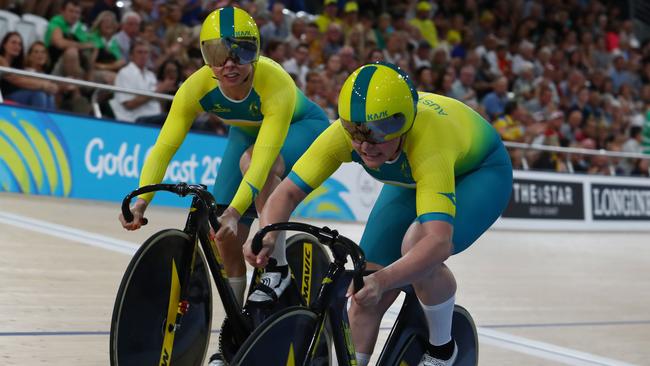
620 202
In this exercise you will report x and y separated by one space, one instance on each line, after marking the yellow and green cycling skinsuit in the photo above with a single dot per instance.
275 116
453 167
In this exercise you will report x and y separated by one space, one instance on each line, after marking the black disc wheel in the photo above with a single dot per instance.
142 327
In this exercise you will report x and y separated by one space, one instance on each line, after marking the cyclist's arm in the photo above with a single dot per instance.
329 149
436 208
184 109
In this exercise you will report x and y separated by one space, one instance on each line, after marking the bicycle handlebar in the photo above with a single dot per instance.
182 189
340 246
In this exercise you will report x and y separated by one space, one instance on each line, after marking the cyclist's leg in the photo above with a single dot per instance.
299 136
272 181
389 220
228 179
488 188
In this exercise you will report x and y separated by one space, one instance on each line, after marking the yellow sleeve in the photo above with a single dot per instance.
277 93
184 109
435 184
330 149
432 166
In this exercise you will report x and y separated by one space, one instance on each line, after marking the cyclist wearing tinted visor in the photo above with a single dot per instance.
241 51
377 131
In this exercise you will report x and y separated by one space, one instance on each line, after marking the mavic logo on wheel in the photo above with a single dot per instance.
306 271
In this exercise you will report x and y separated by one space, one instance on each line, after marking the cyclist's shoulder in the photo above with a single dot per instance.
270 73
199 83
438 103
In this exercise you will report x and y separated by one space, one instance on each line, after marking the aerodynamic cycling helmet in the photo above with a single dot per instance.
229 33
377 103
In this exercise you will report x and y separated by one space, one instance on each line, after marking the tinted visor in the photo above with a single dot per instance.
241 50
374 132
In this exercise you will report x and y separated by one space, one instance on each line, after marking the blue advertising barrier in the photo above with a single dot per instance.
57 154
81 157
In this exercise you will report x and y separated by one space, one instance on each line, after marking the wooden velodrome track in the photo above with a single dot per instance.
538 298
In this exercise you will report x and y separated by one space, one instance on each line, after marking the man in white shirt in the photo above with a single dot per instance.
135 75
298 64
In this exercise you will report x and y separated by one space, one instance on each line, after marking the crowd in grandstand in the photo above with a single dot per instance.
552 72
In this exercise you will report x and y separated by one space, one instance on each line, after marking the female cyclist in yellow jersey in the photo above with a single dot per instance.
272 124
447 178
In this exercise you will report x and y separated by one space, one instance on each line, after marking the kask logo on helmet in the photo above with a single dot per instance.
376 116
243 33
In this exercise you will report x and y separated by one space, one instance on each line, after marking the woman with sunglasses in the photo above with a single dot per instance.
271 124
447 179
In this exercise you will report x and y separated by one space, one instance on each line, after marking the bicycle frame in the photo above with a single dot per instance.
330 304
202 210
409 335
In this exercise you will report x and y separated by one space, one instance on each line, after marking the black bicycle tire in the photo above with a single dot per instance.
461 311
125 283
257 343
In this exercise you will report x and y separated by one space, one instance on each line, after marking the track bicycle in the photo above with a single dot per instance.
292 336
163 309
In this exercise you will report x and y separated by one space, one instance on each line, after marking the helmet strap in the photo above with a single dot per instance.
398 151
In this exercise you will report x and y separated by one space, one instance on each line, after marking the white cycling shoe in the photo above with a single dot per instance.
271 286
428 360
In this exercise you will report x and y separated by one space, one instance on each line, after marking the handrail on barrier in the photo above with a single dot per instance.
572 150
513 145
84 83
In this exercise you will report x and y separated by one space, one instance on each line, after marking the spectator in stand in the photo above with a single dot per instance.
424 23
396 50
619 73
315 90
277 29
297 34
130 30
350 20
333 40
425 80
495 101
109 57
524 57
523 87
170 69
509 124
383 29
191 10
329 15
315 41
276 51
375 55
297 65
422 56
572 130
144 8
29 91
349 60
333 73
462 87
135 75
631 145
68 43
542 105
